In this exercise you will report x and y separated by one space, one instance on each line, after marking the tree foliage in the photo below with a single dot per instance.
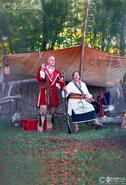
106 28
32 25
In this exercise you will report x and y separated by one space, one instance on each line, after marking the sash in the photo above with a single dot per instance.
93 102
79 88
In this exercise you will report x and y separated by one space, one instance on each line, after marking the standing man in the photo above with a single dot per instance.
49 79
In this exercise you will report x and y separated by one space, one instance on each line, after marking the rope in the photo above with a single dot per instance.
27 102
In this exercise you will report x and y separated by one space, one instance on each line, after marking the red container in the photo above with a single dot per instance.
29 124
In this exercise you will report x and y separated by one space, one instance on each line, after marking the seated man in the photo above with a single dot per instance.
79 102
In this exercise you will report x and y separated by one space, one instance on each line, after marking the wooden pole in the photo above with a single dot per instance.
4 53
86 6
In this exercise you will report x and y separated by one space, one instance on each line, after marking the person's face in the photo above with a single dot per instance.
51 61
76 76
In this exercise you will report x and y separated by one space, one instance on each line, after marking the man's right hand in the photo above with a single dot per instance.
43 66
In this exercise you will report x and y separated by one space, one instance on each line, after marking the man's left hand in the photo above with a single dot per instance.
58 85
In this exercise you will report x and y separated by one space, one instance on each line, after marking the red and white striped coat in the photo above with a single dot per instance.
48 87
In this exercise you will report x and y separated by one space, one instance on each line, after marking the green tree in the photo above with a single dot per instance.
106 29
54 15
72 33
20 25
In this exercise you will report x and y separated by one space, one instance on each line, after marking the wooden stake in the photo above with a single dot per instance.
86 6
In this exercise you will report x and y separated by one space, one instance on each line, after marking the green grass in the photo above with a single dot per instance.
58 158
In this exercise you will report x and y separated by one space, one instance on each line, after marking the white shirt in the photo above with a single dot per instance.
77 105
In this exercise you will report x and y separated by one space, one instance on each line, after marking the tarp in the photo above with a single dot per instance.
99 68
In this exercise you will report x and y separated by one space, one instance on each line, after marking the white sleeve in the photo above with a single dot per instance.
68 88
42 74
67 91
85 90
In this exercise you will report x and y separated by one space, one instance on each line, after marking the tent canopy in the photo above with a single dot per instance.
99 68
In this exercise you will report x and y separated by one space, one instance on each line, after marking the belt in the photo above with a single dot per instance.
76 96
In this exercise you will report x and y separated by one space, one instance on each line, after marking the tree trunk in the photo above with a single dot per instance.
10 44
43 47
123 37
122 45
83 37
